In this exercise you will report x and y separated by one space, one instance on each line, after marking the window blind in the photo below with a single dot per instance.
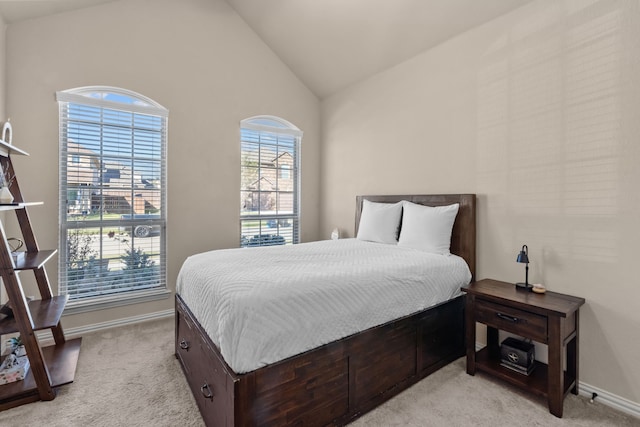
269 192
112 193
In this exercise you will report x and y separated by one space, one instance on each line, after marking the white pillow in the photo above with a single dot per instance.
379 222
428 228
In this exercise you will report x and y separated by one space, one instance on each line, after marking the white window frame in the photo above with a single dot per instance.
95 96
276 125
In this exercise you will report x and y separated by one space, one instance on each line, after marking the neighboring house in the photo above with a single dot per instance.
108 187
83 175
276 181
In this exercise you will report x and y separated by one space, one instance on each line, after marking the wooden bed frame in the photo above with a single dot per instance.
337 382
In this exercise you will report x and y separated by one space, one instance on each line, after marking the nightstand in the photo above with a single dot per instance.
550 318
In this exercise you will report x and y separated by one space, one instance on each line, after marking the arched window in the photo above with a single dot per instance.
270 182
112 196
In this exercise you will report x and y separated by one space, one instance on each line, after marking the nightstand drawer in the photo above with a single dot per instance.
512 320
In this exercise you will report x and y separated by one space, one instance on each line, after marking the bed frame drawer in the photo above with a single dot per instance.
309 391
439 336
385 358
512 320
206 377
186 347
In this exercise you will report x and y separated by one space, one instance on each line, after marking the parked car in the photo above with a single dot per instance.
273 223
142 230
262 240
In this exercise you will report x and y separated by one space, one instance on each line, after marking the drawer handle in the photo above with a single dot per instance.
206 391
508 318
184 345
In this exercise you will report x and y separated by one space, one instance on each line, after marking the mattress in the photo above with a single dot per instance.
263 305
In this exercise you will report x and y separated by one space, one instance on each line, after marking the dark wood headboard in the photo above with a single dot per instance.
463 237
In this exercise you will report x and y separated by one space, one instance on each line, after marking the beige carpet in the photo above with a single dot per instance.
129 377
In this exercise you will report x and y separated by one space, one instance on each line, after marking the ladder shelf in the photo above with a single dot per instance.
50 366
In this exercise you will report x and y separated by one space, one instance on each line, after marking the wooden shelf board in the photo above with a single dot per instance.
17 400
536 382
45 314
7 149
34 260
14 206
61 361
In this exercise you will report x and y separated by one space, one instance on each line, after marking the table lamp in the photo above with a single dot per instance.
523 257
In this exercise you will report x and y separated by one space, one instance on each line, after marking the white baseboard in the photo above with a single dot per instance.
604 397
45 337
610 399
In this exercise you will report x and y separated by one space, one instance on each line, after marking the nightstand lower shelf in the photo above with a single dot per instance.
536 382
61 360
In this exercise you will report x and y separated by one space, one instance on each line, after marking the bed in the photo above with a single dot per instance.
336 382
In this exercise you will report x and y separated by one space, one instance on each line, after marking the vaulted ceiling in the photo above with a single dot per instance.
331 44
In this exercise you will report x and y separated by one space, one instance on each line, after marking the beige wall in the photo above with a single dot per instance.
195 57
537 113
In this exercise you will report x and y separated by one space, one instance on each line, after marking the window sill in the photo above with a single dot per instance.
103 303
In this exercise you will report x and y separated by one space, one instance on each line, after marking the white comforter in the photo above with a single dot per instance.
262 305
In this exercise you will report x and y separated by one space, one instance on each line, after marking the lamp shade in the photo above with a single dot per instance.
523 256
